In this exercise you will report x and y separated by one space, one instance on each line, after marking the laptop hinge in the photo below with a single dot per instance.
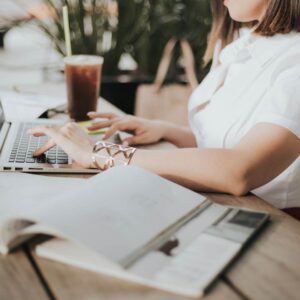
3 134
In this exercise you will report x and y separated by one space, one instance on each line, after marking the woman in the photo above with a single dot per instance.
244 117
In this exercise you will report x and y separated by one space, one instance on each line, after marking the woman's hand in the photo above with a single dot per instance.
70 137
144 131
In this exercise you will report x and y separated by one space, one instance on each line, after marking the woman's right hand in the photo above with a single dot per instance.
144 131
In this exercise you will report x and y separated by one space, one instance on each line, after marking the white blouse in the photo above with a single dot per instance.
252 80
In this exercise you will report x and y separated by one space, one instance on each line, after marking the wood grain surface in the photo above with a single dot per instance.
18 279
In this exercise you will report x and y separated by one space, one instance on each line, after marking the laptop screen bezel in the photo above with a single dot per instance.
2 115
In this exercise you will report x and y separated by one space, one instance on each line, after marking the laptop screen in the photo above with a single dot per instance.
2 118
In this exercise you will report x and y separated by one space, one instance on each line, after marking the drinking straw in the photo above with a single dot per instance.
67 30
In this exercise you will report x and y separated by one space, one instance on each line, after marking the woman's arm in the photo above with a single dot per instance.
265 152
180 136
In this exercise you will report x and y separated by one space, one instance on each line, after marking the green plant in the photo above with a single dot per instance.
139 27
93 24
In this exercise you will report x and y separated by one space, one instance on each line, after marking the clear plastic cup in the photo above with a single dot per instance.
83 77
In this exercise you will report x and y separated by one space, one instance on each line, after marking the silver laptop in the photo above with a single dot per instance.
17 146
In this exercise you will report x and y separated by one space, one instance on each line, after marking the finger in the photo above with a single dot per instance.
36 134
135 140
44 148
100 125
42 130
106 115
112 130
126 124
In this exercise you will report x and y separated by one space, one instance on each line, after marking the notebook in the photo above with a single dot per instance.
128 223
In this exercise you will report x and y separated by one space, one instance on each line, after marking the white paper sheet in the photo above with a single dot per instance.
27 107
22 192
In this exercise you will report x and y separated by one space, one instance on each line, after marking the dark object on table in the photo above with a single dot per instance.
293 212
120 90
2 35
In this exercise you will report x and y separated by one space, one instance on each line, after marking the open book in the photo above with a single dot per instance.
117 222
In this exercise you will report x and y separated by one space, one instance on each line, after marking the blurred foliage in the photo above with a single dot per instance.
188 19
139 27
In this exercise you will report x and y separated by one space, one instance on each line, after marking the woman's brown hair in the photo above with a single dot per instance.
282 16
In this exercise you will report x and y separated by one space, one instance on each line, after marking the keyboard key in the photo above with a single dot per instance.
51 161
62 161
20 160
21 153
41 159
30 160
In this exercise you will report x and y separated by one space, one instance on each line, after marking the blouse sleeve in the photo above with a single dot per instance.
281 105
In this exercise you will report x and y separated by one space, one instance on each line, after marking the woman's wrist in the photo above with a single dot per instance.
180 136
165 127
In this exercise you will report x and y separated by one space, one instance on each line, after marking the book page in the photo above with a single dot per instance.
23 192
118 211
75 254
20 193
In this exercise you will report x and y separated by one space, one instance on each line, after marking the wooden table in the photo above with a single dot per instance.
268 269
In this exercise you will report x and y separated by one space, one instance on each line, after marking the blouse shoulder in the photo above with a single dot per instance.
288 66
281 104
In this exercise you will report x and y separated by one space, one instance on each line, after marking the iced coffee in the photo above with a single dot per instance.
83 77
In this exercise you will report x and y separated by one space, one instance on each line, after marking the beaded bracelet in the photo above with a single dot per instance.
107 155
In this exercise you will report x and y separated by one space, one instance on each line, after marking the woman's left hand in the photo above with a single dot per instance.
70 137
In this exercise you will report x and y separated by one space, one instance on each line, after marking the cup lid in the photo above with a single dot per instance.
83 60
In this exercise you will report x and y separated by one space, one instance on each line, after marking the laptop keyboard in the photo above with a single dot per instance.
25 144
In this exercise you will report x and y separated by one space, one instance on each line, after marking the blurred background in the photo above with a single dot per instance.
130 34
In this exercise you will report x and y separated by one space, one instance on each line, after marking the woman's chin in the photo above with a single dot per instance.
239 18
